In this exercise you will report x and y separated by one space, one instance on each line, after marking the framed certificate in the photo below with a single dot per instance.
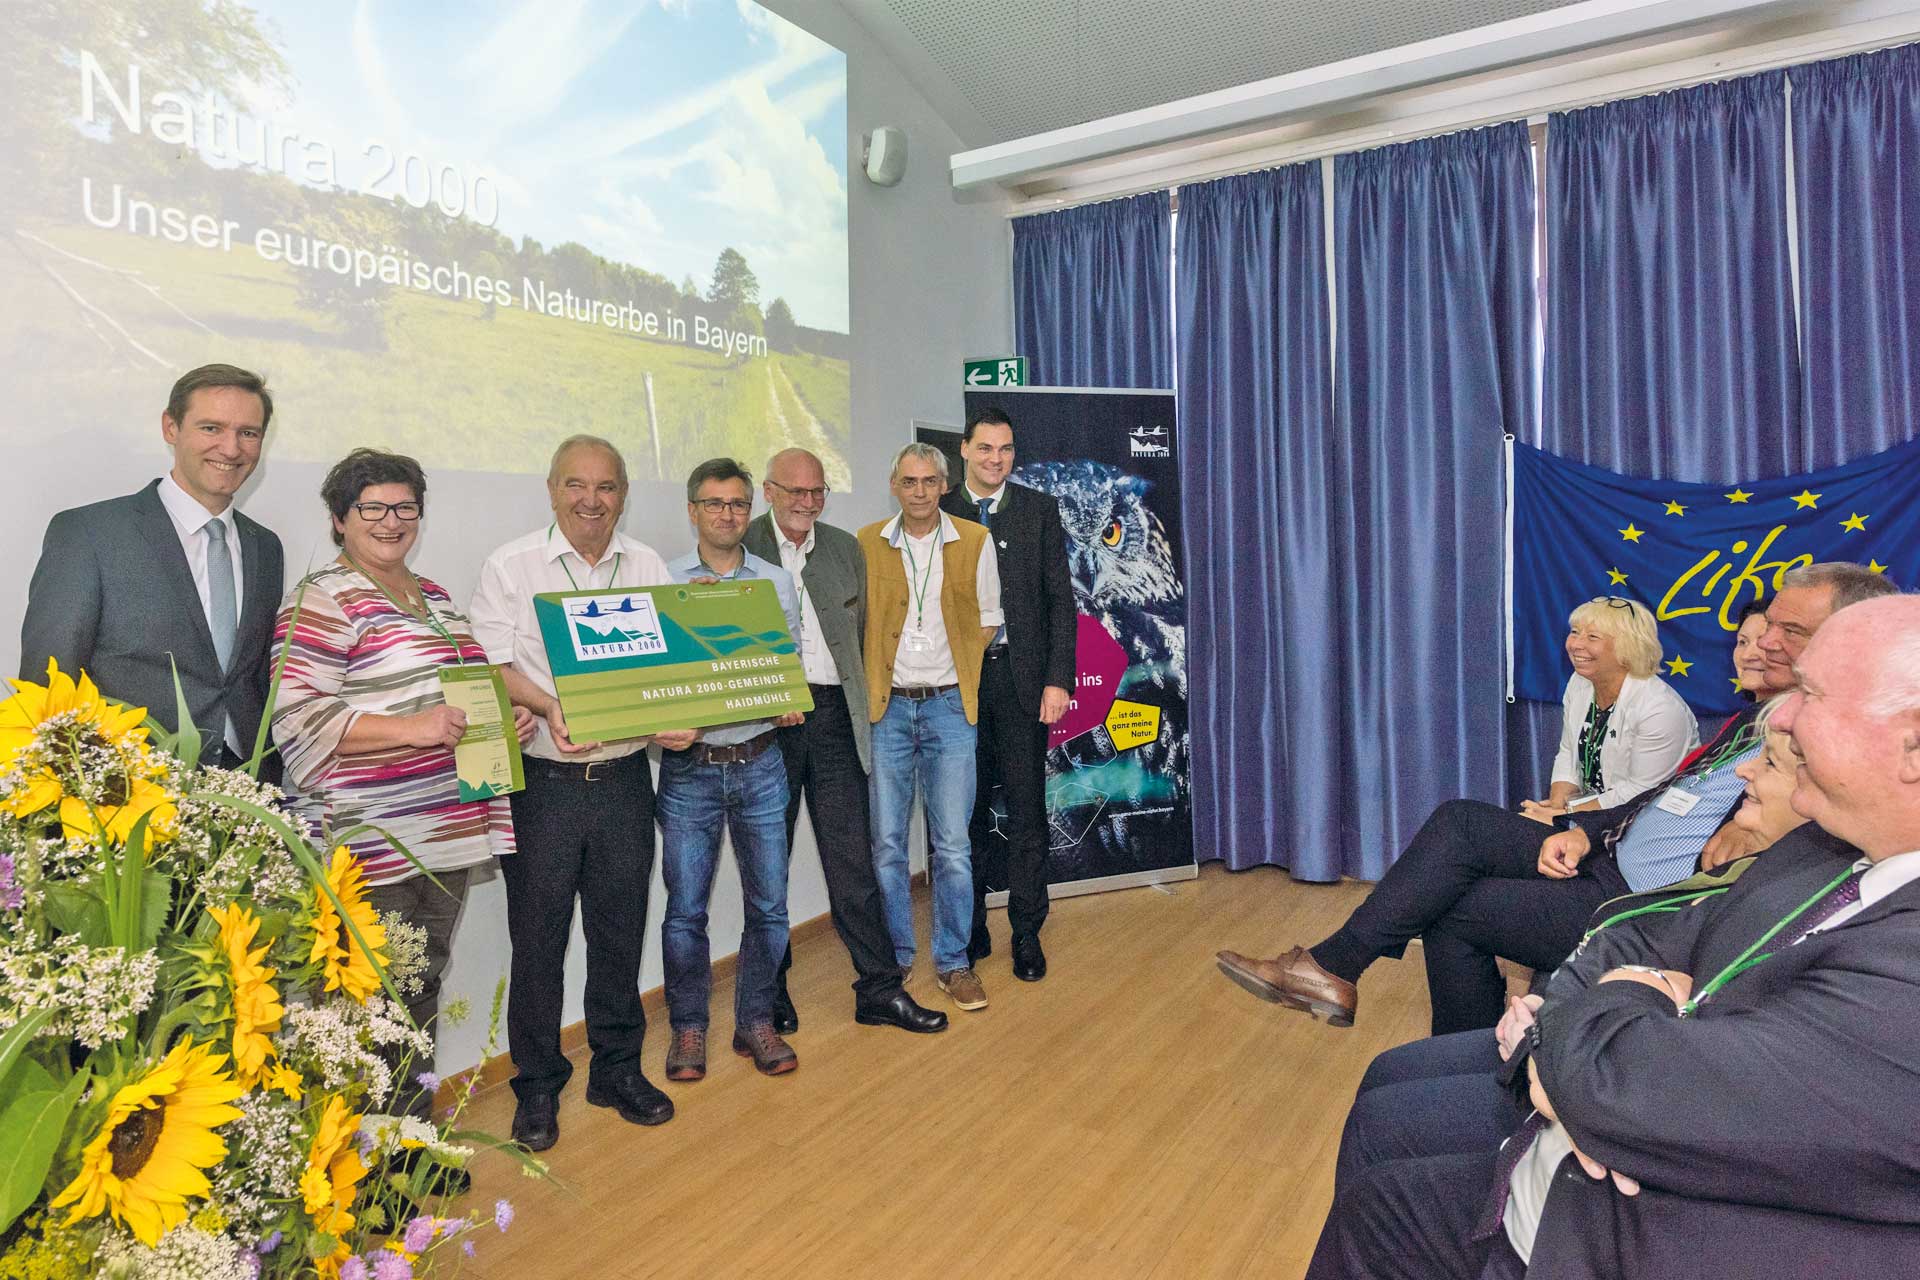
631 661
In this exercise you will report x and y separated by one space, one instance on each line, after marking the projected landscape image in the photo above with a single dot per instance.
459 229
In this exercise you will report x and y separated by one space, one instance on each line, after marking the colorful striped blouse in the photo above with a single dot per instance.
355 652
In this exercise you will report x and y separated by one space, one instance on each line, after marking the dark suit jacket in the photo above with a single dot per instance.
113 596
1773 1129
1036 590
836 582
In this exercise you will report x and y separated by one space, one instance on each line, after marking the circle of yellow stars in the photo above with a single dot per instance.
1805 500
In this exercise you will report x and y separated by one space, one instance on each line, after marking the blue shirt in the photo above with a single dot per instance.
1661 847
689 567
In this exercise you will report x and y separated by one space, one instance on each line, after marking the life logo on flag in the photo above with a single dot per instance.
1694 554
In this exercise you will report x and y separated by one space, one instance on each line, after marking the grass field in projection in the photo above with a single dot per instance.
110 319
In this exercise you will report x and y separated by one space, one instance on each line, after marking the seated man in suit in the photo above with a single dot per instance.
171 577
1478 881
1733 1081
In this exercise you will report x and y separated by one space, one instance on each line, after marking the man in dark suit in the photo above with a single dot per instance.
1726 1090
171 576
828 755
1024 685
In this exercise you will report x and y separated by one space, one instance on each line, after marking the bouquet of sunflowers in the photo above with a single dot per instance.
200 1022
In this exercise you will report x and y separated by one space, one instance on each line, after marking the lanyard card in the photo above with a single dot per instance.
1678 801
487 757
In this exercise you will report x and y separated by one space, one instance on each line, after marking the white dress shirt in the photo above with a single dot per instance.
504 623
993 501
814 658
190 521
929 660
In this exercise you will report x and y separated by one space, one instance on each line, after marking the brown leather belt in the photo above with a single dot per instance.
733 753
921 692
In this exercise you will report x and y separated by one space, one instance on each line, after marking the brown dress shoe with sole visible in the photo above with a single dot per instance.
771 1055
1295 982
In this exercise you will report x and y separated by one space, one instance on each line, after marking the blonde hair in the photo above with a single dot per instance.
1635 635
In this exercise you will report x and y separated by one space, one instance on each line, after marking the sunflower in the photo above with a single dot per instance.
256 1005
32 705
345 964
332 1179
78 822
146 1161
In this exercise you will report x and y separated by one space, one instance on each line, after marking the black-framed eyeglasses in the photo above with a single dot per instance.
374 512
1612 602
813 495
714 506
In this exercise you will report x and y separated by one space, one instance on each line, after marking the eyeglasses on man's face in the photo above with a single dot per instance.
374 512
803 495
714 506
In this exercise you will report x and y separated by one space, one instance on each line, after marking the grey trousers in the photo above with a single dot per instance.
435 908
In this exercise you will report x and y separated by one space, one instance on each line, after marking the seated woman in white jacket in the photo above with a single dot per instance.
1623 729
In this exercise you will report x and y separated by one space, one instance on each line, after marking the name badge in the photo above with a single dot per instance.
919 642
1678 801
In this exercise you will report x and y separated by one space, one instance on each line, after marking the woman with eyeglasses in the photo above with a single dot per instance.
1623 729
365 733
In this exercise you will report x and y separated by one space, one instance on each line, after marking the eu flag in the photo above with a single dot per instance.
1692 553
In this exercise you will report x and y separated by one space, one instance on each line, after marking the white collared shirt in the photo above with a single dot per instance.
1882 878
504 622
190 521
923 561
814 658
992 500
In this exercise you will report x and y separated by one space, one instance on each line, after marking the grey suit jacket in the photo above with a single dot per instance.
836 582
113 595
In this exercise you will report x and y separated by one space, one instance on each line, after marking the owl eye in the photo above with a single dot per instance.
1113 534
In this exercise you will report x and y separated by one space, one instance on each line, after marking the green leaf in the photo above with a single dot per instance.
260 747
14 1040
186 739
80 912
27 1077
156 899
30 1130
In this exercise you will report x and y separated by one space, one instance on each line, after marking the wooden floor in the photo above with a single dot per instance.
1133 1115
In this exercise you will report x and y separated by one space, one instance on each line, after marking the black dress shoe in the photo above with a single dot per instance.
536 1121
637 1101
1029 961
899 1010
786 1018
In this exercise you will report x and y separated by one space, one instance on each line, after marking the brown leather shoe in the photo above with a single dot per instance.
772 1055
687 1055
1295 981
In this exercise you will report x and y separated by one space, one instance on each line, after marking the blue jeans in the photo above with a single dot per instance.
929 743
695 803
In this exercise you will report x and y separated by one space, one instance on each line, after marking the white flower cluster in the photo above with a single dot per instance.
341 1042
388 1133
93 990
406 952
232 856
265 1158
184 1253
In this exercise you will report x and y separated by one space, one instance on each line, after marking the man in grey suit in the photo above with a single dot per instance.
827 756
172 575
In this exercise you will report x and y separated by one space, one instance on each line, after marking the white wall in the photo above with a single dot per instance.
930 284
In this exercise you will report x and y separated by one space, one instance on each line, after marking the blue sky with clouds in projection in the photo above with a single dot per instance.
656 132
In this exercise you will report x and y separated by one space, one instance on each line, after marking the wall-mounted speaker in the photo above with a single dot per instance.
884 156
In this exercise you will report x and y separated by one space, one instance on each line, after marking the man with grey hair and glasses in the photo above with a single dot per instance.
933 605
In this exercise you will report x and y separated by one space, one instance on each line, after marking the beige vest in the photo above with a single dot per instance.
887 592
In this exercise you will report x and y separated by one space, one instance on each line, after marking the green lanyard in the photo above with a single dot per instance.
563 563
430 618
1656 908
919 580
1746 959
1743 741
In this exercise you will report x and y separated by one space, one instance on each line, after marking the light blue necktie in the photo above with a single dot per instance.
986 512
221 613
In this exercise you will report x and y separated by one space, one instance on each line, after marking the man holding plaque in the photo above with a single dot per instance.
732 778
933 604
584 821
827 755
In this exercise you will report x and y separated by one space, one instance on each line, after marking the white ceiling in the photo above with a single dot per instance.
1004 69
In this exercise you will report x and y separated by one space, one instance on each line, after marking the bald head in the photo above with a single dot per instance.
1856 722
796 492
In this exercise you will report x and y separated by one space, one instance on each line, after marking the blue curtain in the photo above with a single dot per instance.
1856 157
1091 294
1434 284
1670 347
1257 486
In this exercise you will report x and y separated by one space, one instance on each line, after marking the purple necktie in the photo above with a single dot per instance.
1840 897
1494 1215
